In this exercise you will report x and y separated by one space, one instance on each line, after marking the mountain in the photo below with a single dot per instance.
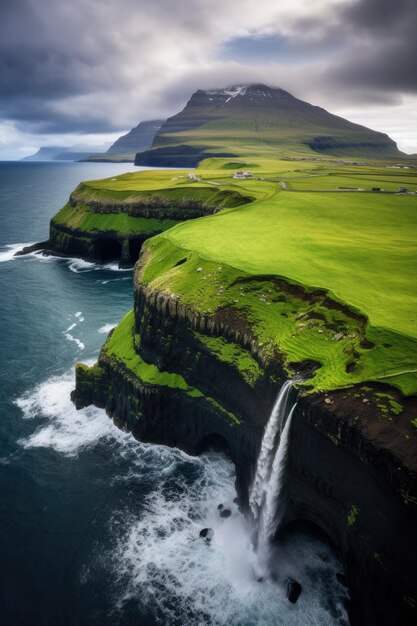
258 119
136 140
46 153
63 153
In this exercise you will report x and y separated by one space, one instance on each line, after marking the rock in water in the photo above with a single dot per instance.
220 507
207 534
225 513
294 590
342 579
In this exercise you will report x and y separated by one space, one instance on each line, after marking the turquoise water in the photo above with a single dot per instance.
95 527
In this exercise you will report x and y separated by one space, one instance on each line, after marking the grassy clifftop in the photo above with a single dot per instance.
143 202
303 253
321 276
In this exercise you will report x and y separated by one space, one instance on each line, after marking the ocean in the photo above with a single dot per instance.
96 527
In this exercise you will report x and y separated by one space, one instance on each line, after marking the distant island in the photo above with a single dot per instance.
61 153
123 150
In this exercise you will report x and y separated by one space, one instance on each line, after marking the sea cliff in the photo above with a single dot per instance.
110 220
170 373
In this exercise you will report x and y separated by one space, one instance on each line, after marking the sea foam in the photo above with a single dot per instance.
156 557
7 252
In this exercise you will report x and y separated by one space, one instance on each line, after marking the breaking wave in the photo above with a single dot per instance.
156 559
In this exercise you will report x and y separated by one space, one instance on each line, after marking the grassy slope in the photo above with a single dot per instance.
81 218
128 188
360 247
120 346
324 241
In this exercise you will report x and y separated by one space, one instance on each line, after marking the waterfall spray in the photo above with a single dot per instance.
266 495
266 454
274 497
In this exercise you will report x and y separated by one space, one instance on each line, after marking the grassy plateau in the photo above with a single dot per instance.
320 267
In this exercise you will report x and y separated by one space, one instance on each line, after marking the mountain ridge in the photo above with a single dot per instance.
128 145
242 118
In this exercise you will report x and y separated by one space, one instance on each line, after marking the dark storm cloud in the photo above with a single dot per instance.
95 66
379 14
47 56
379 38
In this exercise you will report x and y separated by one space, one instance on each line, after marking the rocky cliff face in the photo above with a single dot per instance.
161 379
113 228
113 244
100 247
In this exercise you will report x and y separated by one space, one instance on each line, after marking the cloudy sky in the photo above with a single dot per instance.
88 70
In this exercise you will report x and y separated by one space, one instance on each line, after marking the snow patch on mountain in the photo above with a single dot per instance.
232 92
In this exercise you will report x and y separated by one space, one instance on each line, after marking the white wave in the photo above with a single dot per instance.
79 265
69 328
7 252
106 328
78 314
159 559
69 431
75 340
64 429
114 267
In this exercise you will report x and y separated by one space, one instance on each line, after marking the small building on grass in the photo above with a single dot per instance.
243 174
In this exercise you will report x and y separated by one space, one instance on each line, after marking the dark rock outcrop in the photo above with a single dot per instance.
99 247
207 534
293 590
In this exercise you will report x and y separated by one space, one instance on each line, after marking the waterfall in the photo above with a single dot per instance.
266 454
266 494
272 508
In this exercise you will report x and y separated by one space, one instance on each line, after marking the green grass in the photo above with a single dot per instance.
124 191
359 248
120 346
234 355
175 193
322 178
82 218
352 515
299 327
362 249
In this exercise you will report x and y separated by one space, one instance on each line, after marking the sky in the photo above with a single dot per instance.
86 71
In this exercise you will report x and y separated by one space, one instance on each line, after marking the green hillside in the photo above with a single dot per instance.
352 254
